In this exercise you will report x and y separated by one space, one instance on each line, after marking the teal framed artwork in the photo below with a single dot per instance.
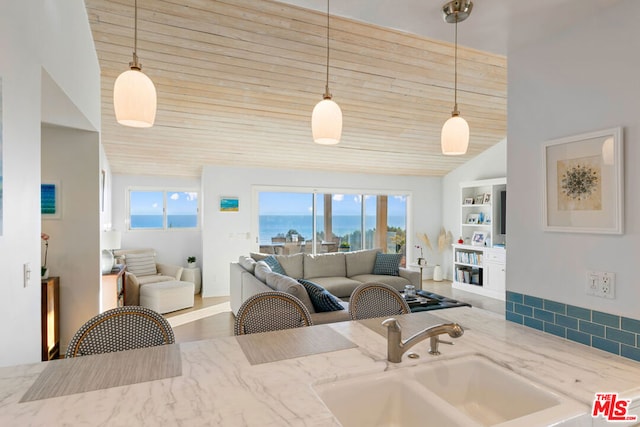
229 204
50 200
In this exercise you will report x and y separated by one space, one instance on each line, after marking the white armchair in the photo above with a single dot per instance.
142 269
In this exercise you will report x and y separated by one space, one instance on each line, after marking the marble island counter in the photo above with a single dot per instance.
268 379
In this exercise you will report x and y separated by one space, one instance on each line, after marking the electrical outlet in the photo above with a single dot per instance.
593 281
607 285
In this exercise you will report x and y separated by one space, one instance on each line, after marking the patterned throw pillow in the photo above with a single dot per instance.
321 299
275 265
387 264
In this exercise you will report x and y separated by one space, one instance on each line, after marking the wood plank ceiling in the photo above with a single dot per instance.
237 81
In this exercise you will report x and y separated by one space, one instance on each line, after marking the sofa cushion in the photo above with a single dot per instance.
258 256
153 278
321 299
340 287
141 264
275 265
261 270
247 263
281 283
325 265
292 264
360 262
387 264
396 282
332 316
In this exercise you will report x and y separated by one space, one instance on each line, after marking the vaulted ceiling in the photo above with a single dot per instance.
237 81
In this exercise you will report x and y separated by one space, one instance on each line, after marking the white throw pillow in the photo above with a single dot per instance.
141 264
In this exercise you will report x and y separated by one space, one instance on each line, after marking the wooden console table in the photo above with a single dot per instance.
112 293
50 318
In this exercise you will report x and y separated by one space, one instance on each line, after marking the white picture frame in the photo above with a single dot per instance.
473 218
583 183
479 237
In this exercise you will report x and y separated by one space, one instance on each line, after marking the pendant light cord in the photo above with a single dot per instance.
135 65
327 95
455 70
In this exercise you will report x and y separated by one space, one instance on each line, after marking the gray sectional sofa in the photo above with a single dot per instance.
339 273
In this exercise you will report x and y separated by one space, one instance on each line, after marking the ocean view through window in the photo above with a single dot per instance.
291 222
158 210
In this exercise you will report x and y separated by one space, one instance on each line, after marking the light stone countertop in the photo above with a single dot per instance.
219 386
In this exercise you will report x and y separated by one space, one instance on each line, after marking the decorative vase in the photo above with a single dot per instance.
191 265
44 273
437 273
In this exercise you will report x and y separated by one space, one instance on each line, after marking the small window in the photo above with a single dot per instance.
158 210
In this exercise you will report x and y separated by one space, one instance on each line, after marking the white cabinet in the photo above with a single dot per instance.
479 263
480 270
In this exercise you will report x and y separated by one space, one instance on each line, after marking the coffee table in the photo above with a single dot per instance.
429 301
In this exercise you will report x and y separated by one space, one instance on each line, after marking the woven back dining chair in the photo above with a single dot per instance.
376 300
118 329
271 311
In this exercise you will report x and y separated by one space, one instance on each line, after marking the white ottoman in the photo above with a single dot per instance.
164 297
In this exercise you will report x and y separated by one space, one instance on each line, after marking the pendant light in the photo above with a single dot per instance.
455 132
326 119
134 95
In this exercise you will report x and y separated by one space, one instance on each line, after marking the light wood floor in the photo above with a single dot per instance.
221 325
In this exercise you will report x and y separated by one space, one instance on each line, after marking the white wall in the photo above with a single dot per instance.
74 247
227 235
171 246
34 35
575 82
490 164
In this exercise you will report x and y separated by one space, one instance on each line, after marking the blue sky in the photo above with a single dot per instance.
343 204
151 203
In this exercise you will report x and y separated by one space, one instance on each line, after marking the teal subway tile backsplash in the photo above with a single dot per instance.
591 328
631 325
620 336
515 297
566 321
606 345
578 312
609 332
533 301
605 319
556 307
545 316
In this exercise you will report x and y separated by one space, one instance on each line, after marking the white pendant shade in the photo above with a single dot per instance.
326 122
455 136
134 99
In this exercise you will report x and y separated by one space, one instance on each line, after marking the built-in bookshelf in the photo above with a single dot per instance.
479 260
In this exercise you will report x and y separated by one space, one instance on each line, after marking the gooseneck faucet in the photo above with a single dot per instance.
396 347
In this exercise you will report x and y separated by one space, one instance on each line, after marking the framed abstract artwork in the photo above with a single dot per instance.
229 204
50 200
583 183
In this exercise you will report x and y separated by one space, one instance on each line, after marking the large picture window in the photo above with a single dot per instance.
162 209
318 222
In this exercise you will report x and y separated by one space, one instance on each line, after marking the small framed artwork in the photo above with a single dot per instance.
229 204
487 219
486 199
468 201
479 199
478 238
50 200
473 218
583 187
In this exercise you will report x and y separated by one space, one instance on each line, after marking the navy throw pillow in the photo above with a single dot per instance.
387 264
275 265
321 299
